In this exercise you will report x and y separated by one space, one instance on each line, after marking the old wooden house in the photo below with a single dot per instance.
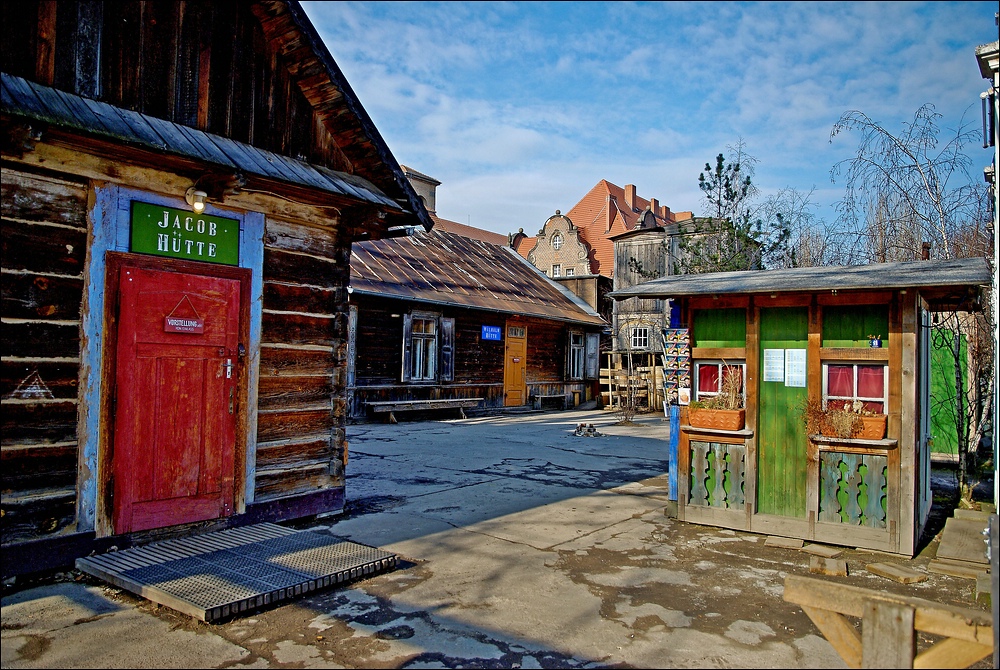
182 183
441 320
832 336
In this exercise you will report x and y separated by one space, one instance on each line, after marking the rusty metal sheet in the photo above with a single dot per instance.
445 268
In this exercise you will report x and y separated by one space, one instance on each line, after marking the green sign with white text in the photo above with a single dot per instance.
178 233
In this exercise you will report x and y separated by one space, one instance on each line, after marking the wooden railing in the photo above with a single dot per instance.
889 625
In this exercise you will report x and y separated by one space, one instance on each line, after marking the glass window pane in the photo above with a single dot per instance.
708 379
871 381
840 381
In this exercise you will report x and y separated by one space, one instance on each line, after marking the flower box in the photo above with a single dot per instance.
869 428
718 419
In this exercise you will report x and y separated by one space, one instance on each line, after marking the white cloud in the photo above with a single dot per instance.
520 108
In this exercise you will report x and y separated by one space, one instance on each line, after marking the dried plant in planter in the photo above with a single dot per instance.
725 410
730 395
846 420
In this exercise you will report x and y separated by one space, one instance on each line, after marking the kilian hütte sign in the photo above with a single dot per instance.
177 233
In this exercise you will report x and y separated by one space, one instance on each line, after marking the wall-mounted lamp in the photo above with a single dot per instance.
196 199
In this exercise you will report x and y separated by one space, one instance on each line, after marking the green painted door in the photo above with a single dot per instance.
781 434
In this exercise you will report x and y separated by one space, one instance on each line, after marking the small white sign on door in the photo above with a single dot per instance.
774 365
795 368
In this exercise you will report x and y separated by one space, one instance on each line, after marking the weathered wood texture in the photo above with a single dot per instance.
889 625
204 65
301 411
43 245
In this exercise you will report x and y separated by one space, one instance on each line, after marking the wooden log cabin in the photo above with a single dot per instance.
441 321
181 186
809 334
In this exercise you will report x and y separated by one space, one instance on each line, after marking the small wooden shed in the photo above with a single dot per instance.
182 183
808 334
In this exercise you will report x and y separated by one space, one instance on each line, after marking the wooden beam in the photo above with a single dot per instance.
952 653
839 632
887 636
938 619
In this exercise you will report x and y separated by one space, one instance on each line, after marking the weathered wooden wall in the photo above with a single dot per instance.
301 393
201 64
44 244
478 363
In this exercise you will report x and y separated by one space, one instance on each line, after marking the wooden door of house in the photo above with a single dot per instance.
781 434
515 383
176 394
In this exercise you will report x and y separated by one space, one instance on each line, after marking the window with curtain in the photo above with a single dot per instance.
847 382
708 376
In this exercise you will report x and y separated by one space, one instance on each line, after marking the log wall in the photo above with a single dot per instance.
44 245
206 65
479 363
302 386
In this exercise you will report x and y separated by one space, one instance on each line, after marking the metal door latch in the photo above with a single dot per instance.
229 368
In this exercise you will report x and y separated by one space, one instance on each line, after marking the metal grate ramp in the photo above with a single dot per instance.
220 574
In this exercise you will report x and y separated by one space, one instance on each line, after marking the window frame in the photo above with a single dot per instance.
439 348
867 400
697 394
576 355
556 270
632 338
557 242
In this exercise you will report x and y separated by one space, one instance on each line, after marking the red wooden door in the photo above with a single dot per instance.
177 376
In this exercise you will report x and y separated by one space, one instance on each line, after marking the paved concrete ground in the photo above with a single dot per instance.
521 545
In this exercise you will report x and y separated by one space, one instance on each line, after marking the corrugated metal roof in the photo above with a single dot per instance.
959 274
444 268
27 100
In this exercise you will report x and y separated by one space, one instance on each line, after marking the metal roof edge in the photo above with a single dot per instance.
446 303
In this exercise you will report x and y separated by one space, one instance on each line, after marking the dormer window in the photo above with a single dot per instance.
557 241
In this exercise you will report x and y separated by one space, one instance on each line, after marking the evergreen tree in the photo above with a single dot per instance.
733 234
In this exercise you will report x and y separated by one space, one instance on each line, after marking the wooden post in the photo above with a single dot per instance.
888 639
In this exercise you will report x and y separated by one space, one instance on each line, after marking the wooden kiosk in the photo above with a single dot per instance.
806 334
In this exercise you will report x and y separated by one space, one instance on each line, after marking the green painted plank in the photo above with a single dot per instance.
719 328
781 432
850 326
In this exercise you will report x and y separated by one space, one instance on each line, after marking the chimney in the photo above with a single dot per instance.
654 206
925 251
630 195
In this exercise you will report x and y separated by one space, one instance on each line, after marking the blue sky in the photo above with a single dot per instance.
520 108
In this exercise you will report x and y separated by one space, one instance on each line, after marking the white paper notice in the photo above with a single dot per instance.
795 368
774 365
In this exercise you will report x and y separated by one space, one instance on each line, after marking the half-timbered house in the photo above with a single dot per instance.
812 337
182 183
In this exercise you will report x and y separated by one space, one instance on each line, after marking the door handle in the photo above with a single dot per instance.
229 368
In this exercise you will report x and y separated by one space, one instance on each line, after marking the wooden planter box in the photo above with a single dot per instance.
872 428
719 419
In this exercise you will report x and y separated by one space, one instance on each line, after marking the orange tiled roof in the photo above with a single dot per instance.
605 212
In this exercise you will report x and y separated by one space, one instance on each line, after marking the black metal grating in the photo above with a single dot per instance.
218 575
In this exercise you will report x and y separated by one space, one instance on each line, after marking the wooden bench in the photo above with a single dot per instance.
558 399
393 406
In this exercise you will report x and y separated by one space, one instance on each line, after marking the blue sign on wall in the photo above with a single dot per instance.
492 333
